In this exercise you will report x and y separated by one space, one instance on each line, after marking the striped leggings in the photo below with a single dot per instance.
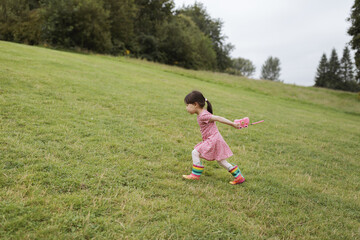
196 161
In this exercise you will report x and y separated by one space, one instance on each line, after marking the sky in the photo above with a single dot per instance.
298 32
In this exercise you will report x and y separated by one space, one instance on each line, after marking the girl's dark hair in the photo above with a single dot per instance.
196 96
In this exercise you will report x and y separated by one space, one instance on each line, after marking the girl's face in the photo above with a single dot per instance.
191 108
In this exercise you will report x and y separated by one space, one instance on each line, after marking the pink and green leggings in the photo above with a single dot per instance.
198 167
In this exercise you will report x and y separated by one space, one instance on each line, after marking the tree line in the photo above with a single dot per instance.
337 74
152 29
149 29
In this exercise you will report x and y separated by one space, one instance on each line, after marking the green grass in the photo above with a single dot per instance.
93 147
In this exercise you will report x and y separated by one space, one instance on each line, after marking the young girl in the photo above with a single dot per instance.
213 146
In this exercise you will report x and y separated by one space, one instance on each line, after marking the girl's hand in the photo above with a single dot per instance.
236 125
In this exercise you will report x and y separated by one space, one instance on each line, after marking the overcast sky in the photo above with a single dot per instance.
297 32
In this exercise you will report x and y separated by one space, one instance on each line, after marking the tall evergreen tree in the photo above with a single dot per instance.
322 72
334 79
271 69
349 82
346 70
354 31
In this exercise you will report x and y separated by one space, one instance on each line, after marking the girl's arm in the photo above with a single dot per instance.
224 120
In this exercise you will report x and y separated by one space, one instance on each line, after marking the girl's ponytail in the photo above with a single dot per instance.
209 107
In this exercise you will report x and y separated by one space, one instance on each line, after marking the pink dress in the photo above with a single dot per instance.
213 146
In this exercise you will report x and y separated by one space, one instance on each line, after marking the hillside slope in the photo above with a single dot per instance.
94 146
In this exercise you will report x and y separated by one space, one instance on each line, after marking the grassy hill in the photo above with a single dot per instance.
93 147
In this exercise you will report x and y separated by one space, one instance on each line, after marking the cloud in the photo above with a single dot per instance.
297 31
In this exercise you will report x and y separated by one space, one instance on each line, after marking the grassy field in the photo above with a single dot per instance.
93 147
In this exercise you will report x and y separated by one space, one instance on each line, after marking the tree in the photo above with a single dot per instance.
349 82
20 21
152 14
271 69
242 67
150 18
322 72
213 29
346 66
122 24
354 31
185 45
333 77
77 23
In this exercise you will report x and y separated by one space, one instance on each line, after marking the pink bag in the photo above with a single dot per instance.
244 122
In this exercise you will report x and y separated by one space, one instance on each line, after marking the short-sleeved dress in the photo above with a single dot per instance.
213 146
